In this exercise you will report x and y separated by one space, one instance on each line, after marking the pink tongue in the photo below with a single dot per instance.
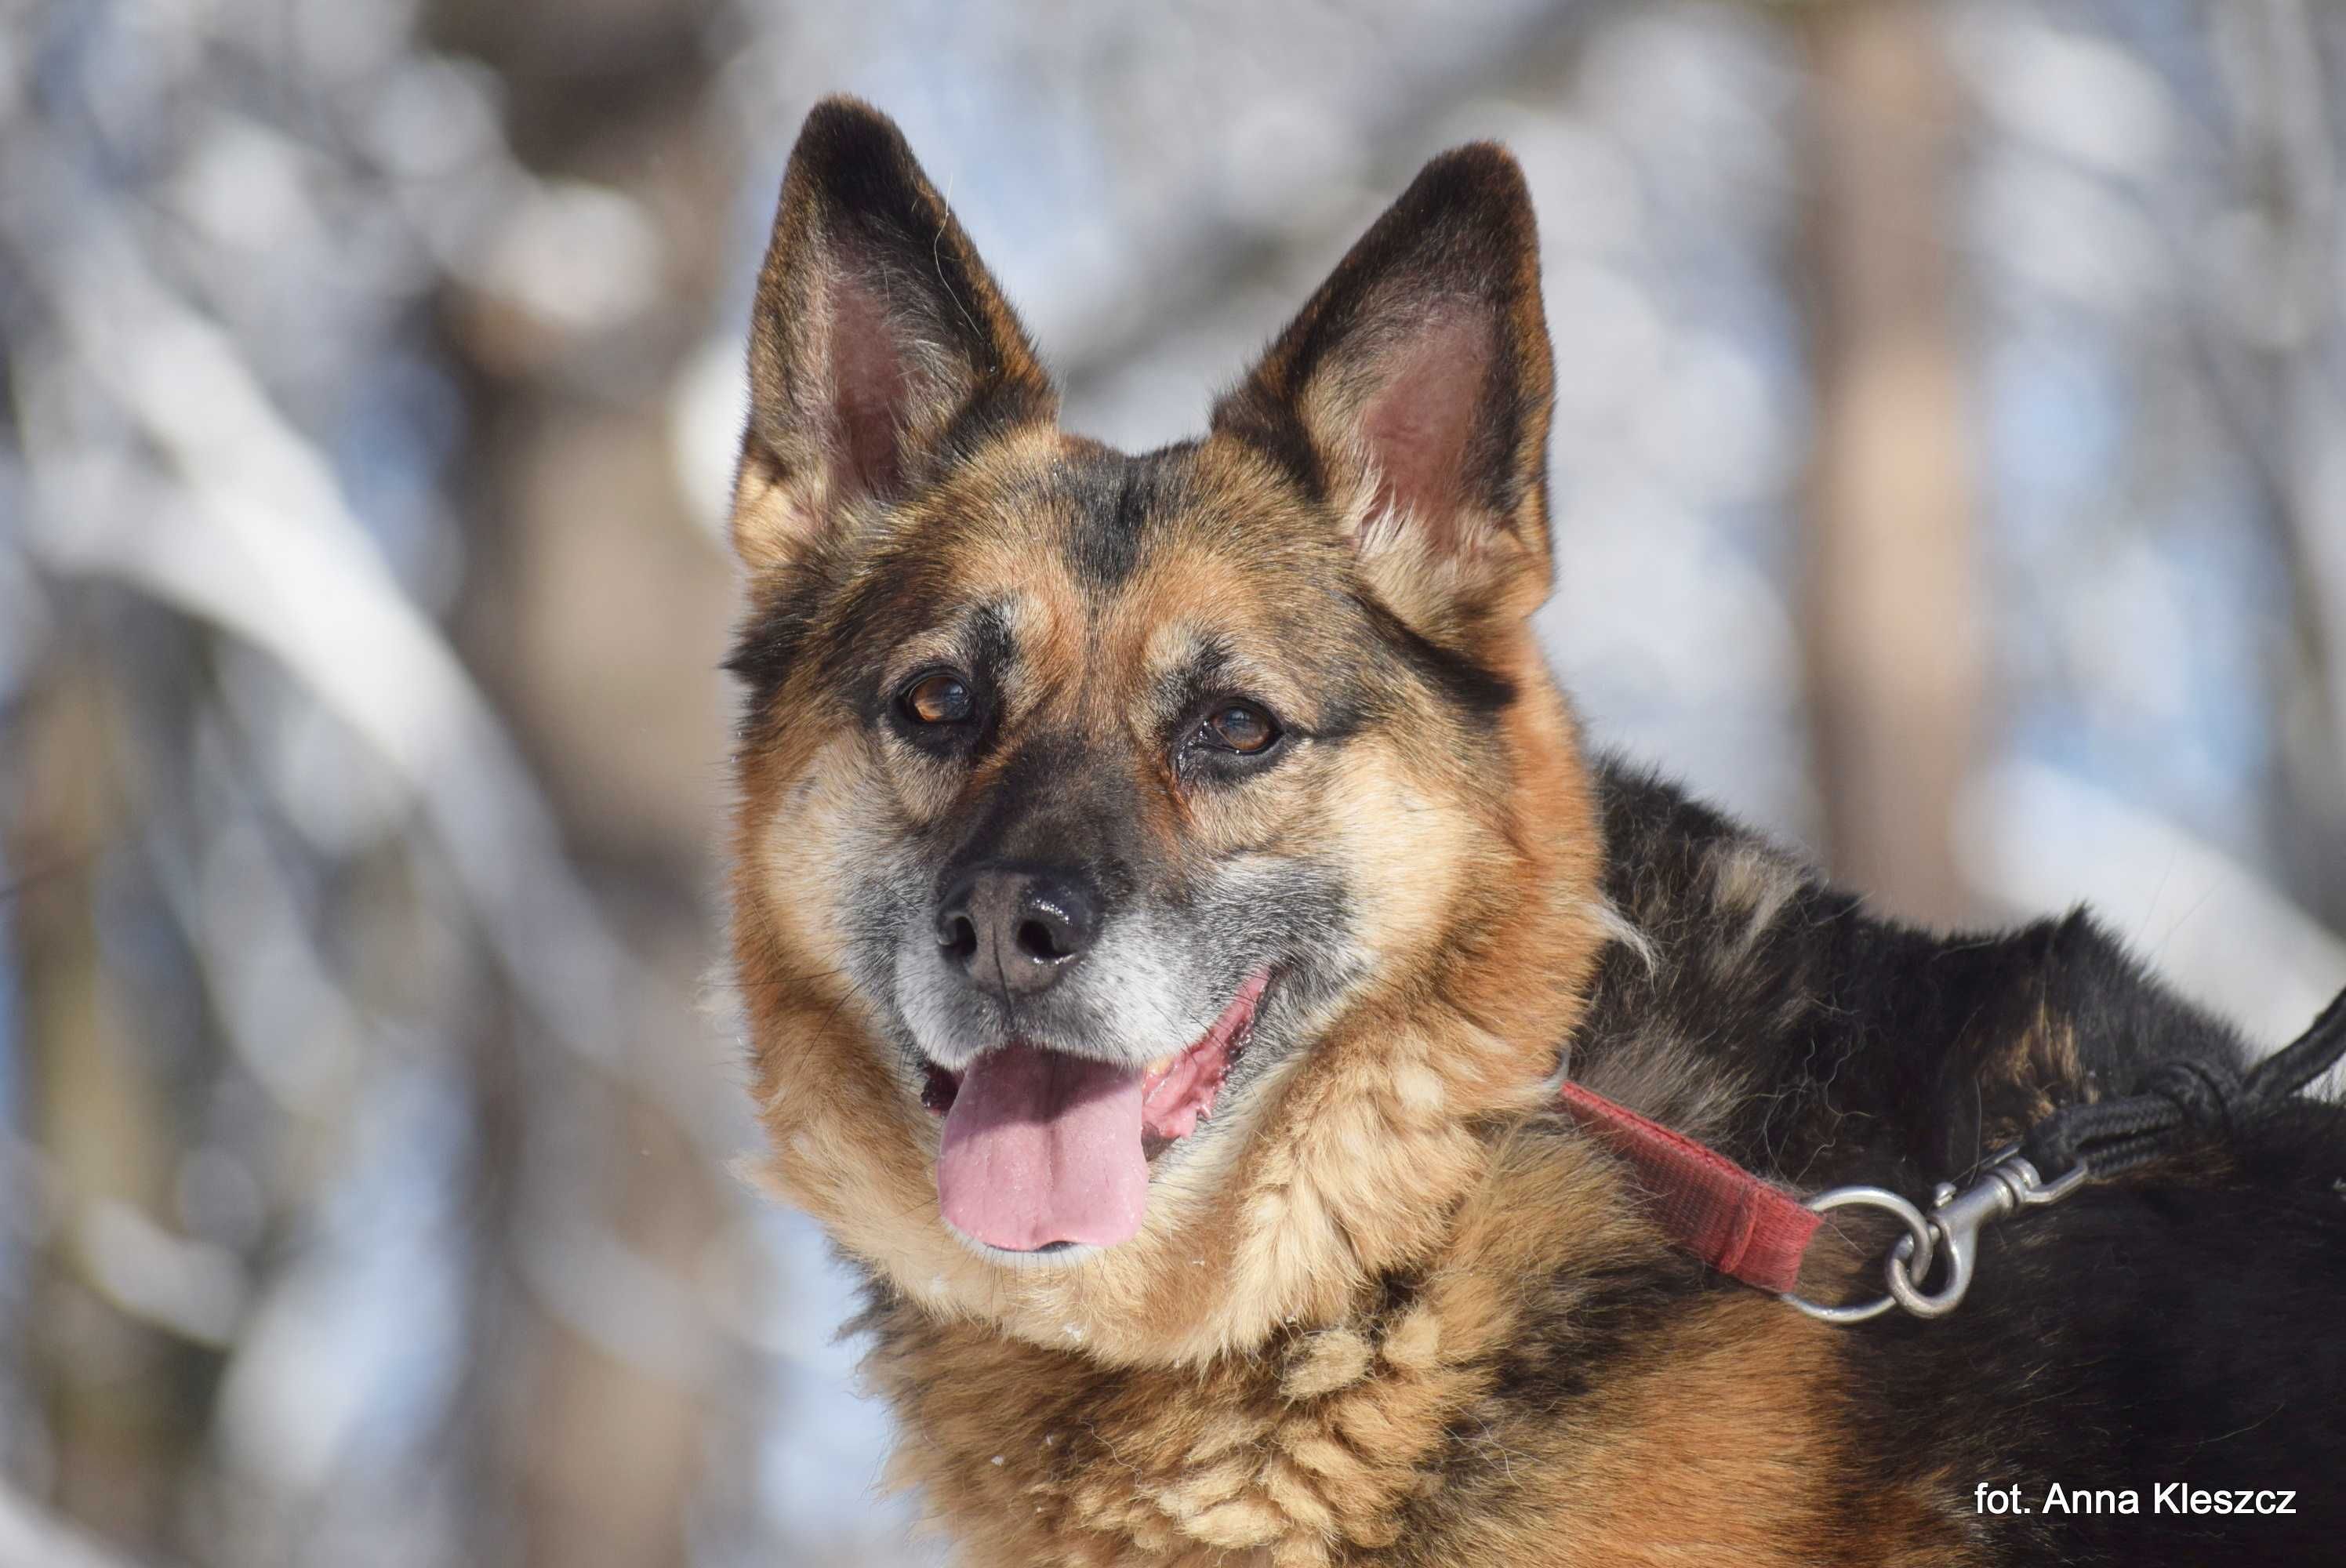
1041 1147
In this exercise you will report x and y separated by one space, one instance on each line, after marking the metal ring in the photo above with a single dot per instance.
1905 1281
1918 1241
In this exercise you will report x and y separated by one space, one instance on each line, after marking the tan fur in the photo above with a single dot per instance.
2026 1078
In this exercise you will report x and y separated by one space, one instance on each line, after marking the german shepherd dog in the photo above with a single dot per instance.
1169 892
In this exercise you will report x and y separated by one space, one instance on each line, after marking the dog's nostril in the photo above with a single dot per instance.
959 938
1036 941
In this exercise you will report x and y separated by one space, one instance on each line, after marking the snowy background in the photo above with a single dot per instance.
1950 476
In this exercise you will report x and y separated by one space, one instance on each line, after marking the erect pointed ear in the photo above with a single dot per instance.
1413 392
880 342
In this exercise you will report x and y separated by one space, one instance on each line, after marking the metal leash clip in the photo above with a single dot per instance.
1951 1228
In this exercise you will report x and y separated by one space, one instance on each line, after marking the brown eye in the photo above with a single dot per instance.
1238 727
937 699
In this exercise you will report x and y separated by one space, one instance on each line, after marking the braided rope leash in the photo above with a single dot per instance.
2180 1102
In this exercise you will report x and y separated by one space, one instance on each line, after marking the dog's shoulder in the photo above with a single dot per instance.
1750 1002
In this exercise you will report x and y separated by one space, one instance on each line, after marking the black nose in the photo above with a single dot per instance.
1018 926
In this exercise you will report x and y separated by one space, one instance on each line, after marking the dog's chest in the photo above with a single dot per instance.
1309 1454
1460 1428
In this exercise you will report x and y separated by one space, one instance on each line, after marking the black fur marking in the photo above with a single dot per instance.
1477 694
1060 802
771 639
1119 501
1876 1042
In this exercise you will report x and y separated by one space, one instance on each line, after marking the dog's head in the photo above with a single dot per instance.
1152 872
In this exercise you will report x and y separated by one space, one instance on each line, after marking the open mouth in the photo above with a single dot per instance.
1042 1148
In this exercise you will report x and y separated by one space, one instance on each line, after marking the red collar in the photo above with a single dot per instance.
1732 1220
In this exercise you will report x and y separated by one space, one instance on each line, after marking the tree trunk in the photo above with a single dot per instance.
1893 643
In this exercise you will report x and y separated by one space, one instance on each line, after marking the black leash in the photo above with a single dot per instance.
2181 1103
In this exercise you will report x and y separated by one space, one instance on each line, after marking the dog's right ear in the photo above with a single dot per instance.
879 343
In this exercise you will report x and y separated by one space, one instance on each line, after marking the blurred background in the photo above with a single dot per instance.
1950 476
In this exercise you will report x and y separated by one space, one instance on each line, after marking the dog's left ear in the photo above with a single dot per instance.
1412 392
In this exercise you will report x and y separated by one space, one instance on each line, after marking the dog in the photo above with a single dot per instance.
1169 890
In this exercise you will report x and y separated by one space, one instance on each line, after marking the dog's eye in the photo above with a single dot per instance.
938 697
1238 727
